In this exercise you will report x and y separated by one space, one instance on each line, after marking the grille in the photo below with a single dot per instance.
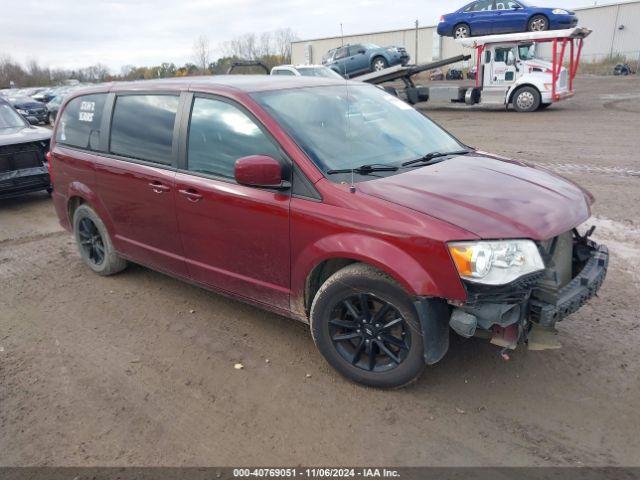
26 155
562 81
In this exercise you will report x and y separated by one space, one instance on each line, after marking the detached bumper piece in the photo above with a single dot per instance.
18 182
526 311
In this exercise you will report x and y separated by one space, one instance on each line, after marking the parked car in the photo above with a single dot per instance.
344 208
623 69
55 103
45 96
487 17
305 71
23 147
35 112
353 60
454 74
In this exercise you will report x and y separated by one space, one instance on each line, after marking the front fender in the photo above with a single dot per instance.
414 277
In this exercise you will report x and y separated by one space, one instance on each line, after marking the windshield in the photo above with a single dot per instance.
9 118
527 51
342 128
318 72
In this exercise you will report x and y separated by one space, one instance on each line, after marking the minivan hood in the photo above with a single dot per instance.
488 197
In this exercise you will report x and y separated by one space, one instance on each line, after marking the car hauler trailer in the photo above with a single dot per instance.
509 71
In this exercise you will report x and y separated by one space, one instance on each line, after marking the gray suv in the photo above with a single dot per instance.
361 58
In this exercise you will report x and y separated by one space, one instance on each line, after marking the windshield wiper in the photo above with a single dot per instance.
434 157
366 169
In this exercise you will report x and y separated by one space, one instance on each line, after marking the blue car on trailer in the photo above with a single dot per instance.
489 17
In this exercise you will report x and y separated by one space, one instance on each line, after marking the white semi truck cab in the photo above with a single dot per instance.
508 69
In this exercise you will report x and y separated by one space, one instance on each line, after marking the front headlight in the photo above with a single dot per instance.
22 112
392 50
495 262
559 11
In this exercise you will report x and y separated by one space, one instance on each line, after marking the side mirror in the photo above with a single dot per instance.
362 52
259 171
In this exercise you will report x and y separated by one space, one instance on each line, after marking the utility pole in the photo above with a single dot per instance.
416 59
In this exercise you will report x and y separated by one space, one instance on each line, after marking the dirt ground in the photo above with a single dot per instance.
138 369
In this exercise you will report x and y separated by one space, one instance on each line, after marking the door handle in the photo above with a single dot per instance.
191 194
159 187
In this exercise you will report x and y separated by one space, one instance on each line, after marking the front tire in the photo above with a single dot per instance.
538 23
366 327
94 243
526 99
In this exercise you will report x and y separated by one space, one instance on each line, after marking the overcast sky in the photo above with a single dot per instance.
76 33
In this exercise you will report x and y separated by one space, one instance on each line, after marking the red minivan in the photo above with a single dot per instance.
331 202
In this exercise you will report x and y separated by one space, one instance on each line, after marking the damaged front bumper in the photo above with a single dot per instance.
524 311
575 270
25 180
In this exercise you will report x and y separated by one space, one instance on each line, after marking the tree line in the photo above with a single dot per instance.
271 48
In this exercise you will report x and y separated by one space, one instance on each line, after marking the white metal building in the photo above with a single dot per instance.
616 30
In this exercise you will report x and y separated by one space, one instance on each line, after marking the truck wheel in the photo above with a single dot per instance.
526 99
366 327
461 31
538 23
94 243
379 63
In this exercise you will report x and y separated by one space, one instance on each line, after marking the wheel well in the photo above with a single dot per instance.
378 56
538 15
72 205
453 32
520 87
319 275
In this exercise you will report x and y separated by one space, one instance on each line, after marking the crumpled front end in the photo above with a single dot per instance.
527 310
23 168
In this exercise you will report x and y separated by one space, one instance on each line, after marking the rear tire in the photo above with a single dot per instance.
526 99
366 327
538 23
461 30
94 242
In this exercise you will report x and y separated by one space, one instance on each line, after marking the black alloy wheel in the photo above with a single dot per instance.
369 333
91 241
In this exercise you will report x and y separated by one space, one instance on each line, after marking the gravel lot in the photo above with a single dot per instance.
138 369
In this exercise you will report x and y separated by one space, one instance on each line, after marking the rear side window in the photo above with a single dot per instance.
283 72
142 127
79 125
483 6
219 134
